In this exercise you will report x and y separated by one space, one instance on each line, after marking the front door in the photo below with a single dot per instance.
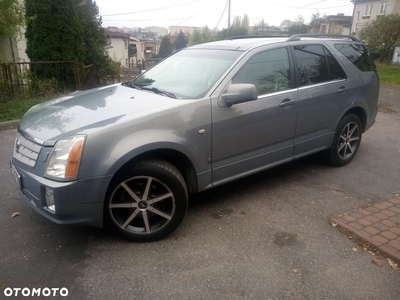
252 136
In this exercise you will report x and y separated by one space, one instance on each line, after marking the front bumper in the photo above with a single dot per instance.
78 202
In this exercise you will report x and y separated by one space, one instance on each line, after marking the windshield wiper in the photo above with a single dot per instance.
132 85
152 89
159 92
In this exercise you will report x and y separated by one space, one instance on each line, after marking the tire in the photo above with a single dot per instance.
346 141
148 202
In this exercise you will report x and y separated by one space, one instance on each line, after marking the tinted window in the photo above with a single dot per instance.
335 70
312 64
268 71
358 55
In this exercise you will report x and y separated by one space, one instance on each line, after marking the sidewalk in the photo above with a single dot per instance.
377 224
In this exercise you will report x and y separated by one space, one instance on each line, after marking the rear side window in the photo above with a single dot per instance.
358 55
316 65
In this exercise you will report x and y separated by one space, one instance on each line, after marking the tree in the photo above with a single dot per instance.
94 37
315 18
207 35
165 47
181 41
296 29
382 34
246 22
196 38
53 31
237 22
260 26
299 19
12 18
67 30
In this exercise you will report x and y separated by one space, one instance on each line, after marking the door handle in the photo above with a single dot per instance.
343 90
287 103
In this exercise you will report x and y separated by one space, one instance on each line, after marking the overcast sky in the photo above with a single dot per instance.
128 13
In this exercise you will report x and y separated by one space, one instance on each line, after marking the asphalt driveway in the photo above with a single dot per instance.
264 237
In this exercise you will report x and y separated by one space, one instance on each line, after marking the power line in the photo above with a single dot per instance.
151 20
197 13
222 14
308 4
322 8
147 10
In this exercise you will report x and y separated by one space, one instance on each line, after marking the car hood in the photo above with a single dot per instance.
54 119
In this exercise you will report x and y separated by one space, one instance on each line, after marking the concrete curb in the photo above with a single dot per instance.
9 125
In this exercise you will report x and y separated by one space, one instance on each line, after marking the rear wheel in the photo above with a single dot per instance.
147 202
346 142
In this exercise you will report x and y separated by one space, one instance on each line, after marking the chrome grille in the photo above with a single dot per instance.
26 151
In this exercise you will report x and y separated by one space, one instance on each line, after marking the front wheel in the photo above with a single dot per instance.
147 202
346 142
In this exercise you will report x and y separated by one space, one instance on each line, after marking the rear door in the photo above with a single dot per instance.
323 91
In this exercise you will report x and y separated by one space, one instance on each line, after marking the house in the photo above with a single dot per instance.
366 11
125 49
286 24
334 24
175 30
129 50
158 31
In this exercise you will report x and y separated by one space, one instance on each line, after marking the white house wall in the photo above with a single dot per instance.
15 50
363 16
119 51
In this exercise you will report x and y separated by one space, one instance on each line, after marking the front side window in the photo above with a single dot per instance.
358 55
268 71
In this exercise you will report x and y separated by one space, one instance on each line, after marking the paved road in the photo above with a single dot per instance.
263 237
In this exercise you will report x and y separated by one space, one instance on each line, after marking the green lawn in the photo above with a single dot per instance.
389 74
16 108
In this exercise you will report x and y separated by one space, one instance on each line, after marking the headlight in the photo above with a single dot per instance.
66 157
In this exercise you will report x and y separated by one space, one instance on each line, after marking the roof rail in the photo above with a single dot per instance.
254 37
297 37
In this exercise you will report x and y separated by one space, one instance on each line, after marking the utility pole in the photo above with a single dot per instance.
229 14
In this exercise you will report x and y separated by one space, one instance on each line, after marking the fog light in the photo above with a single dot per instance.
50 199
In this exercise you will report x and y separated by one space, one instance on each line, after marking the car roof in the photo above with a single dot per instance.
244 43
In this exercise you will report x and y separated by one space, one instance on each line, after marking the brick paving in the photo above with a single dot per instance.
378 224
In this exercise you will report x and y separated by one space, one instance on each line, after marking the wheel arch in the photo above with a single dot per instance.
360 113
173 156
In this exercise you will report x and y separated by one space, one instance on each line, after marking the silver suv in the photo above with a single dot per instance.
128 154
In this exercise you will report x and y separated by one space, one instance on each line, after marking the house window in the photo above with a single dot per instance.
368 10
383 8
355 27
358 16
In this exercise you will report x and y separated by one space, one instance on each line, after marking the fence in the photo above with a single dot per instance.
35 79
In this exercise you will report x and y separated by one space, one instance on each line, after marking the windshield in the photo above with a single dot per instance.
188 74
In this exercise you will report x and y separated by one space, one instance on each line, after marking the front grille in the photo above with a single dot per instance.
26 151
